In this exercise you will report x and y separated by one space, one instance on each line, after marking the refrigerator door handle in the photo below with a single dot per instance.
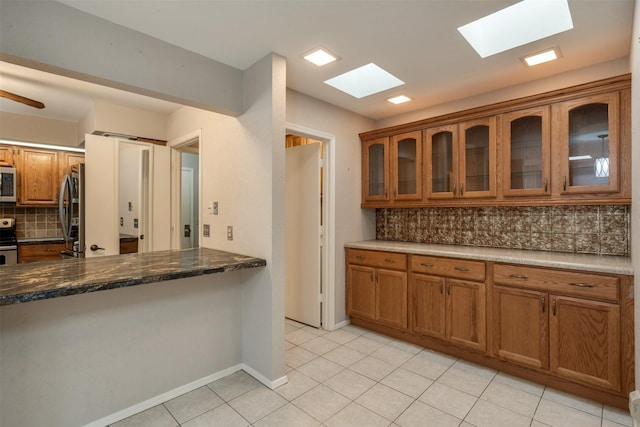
65 217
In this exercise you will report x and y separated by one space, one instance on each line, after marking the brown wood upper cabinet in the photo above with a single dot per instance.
526 152
460 160
588 132
6 155
38 177
392 168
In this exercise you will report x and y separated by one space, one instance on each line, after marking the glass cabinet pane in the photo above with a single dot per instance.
589 145
477 152
376 170
526 153
406 166
442 162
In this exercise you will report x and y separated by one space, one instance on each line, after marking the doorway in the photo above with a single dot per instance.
185 188
310 266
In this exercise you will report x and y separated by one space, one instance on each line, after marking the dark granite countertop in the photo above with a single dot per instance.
44 280
40 240
128 238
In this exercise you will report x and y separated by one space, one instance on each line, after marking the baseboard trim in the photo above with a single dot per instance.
161 398
341 324
264 380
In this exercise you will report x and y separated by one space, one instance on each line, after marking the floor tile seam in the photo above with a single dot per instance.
577 409
264 416
531 419
500 405
170 413
377 413
314 418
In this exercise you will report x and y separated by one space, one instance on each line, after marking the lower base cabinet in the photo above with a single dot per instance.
564 328
39 252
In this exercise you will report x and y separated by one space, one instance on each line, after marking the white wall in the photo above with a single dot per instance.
73 360
243 170
19 127
129 121
635 177
351 222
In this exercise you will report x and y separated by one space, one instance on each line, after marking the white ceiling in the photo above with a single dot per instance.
415 40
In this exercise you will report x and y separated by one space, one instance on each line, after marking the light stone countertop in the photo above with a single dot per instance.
591 263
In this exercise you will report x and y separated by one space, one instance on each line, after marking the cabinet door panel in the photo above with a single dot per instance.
441 162
406 166
466 317
6 155
526 137
38 177
585 341
520 326
361 292
589 143
477 158
375 170
391 298
428 305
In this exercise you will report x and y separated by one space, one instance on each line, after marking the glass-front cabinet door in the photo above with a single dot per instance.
588 136
441 161
375 170
526 137
477 158
406 166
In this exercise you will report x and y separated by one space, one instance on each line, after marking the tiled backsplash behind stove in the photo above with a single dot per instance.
33 223
602 230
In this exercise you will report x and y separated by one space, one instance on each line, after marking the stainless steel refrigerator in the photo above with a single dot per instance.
72 212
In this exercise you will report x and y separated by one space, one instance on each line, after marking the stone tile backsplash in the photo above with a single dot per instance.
33 223
601 230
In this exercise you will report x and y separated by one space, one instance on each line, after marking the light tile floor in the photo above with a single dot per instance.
353 377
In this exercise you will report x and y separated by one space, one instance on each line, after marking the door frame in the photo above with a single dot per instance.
191 215
328 268
176 184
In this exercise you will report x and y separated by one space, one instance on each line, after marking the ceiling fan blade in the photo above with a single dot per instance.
28 101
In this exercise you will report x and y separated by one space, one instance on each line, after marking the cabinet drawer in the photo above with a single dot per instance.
44 249
390 260
557 281
449 267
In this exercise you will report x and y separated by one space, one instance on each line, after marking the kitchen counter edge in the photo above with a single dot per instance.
584 262
45 280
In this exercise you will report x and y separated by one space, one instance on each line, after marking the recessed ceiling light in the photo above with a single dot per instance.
399 99
517 25
320 57
542 57
364 81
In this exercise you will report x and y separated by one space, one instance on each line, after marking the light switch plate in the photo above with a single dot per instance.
229 232
205 230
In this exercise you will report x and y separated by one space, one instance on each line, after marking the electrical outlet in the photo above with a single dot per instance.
205 230
229 232
135 222
215 208
121 221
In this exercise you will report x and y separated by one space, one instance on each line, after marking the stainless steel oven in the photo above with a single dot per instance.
8 242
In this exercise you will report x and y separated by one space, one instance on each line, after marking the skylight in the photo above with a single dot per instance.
517 25
364 81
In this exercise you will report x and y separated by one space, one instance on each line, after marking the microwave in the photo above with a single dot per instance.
7 184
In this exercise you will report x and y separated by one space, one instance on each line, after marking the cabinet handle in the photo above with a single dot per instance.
542 303
564 183
390 261
395 194
360 257
455 188
448 288
519 276
546 185
461 189
462 268
581 285
426 264
441 286
553 306
49 250
372 279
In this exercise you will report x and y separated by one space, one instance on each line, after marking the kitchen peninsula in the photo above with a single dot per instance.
20 284
92 341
